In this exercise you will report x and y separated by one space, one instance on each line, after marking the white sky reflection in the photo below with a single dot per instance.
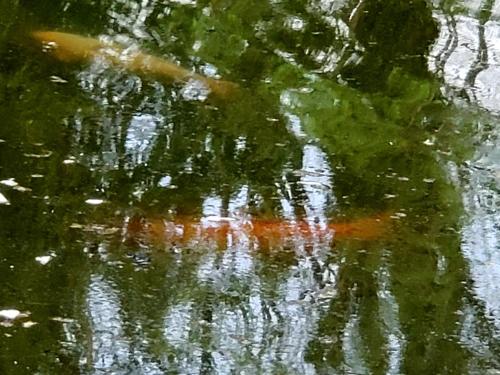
141 136
456 56
110 346
316 180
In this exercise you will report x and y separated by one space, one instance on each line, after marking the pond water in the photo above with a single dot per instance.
334 211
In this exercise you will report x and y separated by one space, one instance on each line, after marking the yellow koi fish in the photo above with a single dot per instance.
74 48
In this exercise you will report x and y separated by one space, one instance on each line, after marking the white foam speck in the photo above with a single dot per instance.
94 201
44 259
4 200
10 314
9 182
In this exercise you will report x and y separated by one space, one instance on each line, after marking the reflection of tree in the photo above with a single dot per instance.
375 140
426 311
393 33
460 57
387 307
465 57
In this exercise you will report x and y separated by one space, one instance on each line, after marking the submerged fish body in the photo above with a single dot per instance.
266 233
74 48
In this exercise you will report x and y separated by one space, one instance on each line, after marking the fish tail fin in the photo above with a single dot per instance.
366 228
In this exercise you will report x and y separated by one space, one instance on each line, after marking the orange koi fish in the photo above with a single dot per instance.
268 233
74 48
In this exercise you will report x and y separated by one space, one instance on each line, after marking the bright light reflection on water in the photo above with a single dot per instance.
110 345
141 135
467 55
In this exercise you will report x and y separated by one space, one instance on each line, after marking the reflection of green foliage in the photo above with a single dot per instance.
392 33
374 140
378 140
363 130
226 36
405 97
37 221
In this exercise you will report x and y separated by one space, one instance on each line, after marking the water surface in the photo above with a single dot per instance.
346 110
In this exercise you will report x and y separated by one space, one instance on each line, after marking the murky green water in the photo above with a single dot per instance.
146 228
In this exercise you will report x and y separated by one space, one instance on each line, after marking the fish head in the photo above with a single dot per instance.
67 47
